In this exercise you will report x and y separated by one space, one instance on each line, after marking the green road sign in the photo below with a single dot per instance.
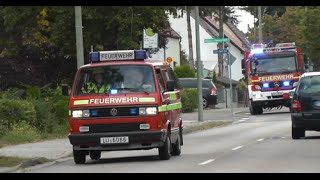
232 59
216 40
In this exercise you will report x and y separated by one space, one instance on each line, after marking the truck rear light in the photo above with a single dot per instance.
213 91
296 106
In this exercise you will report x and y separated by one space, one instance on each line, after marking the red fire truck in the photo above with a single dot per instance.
138 108
271 74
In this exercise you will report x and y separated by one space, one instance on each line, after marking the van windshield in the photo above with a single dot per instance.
115 79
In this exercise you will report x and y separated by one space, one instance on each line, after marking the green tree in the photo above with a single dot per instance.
45 36
184 71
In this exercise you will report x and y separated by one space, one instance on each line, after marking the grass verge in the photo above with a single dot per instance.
6 161
204 126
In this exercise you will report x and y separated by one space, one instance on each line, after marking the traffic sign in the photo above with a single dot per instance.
216 40
220 51
232 59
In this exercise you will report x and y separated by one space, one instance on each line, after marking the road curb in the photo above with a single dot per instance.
40 162
35 163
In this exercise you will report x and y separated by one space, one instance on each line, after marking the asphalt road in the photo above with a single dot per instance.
259 143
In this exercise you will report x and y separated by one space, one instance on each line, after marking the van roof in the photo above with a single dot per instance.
151 62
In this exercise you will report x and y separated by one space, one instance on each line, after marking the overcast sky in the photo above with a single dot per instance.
245 18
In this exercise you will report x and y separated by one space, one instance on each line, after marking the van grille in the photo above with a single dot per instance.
115 112
118 127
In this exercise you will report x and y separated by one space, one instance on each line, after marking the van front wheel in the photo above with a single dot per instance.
165 150
79 157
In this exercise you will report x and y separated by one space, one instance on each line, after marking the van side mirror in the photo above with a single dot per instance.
65 89
170 85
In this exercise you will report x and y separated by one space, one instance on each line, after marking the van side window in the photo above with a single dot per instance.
165 75
160 80
175 79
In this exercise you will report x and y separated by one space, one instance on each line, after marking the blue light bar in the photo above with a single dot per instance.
265 85
286 83
94 113
117 55
94 56
140 54
114 91
133 111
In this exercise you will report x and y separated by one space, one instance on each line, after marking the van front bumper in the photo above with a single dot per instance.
137 140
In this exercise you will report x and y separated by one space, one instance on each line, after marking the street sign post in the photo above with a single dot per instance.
218 40
218 51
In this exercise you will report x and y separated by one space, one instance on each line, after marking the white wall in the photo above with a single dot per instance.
236 72
206 49
172 50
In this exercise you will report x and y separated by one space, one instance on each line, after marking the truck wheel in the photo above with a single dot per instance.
297 133
259 110
252 109
165 150
95 155
177 147
79 157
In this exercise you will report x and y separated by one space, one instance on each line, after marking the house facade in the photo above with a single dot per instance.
208 29
172 49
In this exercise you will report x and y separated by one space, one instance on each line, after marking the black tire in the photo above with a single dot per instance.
95 155
205 102
165 150
297 133
79 157
259 109
252 109
176 148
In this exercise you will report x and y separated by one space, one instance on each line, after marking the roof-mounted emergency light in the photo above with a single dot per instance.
257 48
293 44
117 55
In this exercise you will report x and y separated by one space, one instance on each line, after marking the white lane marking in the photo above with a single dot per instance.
206 162
245 118
246 113
236 148
260 139
283 137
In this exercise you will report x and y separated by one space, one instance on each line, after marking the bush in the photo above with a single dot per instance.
189 99
52 110
184 71
46 120
15 111
21 132
13 93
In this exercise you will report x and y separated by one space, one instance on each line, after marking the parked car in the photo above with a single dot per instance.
209 90
305 106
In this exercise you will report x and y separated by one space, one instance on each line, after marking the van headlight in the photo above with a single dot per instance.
148 111
80 113
151 111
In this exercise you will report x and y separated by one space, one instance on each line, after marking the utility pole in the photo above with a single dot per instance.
79 36
199 64
231 93
260 26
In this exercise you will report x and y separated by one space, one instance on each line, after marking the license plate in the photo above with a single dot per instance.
276 94
114 140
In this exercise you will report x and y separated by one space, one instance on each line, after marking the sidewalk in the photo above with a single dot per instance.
61 148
